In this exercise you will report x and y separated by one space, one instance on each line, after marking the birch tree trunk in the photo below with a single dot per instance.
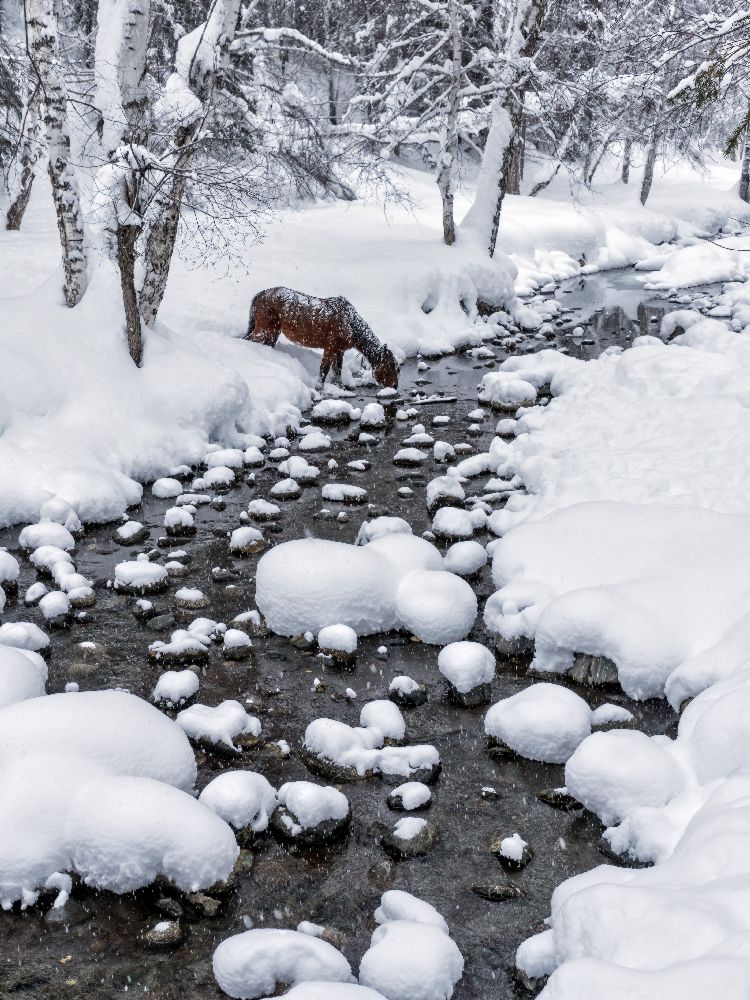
483 218
744 191
44 51
206 82
626 156
446 176
21 174
120 58
648 169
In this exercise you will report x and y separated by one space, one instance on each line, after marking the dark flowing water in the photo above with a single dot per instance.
100 953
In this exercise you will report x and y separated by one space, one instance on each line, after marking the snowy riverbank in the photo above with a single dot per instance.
631 545
90 428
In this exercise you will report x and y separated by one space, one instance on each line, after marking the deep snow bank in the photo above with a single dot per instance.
79 421
675 930
632 542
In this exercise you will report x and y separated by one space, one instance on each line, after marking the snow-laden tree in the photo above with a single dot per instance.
516 30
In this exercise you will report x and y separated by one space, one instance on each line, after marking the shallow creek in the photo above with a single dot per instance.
98 951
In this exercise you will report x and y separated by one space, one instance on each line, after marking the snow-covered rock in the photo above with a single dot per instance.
310 813
469 668
465 558
256 962
243 799
410 796
141 577
544 722
220 725
166 488
346 753
246 541
175 687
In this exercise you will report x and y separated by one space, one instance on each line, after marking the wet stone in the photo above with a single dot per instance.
497 892
510 863
203 905
414 847
220 574
165 935
558 798
480 695
160 622
171 908
69 915
382 874
595 671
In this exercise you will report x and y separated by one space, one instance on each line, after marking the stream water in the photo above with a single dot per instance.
97 950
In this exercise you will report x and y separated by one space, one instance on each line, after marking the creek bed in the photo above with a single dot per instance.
101 953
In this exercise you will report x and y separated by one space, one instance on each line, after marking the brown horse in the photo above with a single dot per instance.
332 324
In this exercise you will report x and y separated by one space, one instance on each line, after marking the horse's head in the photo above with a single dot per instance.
385 368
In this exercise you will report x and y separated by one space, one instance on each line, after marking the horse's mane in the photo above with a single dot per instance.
363 339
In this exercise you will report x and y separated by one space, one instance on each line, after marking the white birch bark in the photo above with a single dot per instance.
122 36
482 221
446 175
19 175
45 57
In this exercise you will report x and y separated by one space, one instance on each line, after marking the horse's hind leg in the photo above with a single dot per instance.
338 363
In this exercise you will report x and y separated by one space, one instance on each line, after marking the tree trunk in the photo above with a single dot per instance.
482 221
626 155
205 83
22 175
648 169
127 237
744 191
45 57
159 250
515 162
446 176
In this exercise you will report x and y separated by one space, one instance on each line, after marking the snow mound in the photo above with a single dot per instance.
544 722
124 831
22 675
682 804
411 960
255 963
98 784
437 607
307 584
